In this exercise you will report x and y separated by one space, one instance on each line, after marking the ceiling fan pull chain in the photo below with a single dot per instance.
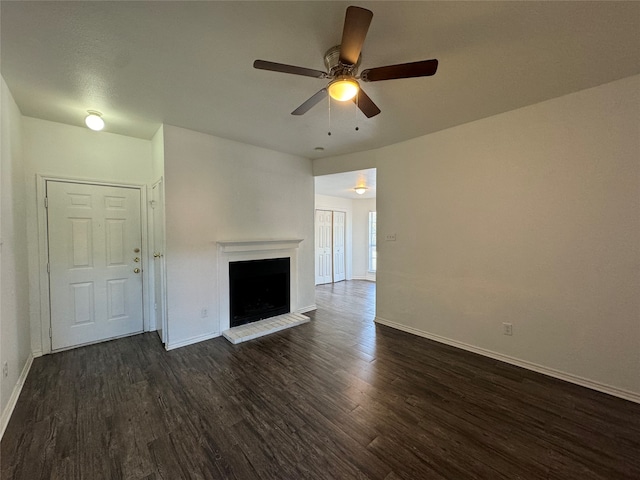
357 107
329 100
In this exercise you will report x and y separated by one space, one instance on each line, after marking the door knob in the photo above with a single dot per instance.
136 270
157 255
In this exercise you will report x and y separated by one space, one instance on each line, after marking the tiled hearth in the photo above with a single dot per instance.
264 327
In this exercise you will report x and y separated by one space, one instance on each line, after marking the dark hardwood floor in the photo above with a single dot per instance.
337 398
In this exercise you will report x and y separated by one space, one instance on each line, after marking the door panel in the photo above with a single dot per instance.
82 303
323 227
116 299
81 242
338 246
93 232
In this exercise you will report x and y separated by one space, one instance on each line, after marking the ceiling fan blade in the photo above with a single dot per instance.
365 104
356 25
283 68
424 68
306 106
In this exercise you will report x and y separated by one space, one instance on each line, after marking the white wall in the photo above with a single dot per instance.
59 150
157 154
218 189
15 346
361 209
530 217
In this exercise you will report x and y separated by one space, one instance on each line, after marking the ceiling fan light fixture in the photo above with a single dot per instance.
343 88
94 120
360 190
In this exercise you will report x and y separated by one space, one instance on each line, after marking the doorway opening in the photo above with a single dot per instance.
343 246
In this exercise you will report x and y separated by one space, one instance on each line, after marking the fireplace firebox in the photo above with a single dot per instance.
258 289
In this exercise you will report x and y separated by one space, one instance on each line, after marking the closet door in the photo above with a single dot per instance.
339 220
323 251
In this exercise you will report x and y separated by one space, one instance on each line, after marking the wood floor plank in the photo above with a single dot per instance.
339 397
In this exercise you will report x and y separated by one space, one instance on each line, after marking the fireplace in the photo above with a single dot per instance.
238 251
258 289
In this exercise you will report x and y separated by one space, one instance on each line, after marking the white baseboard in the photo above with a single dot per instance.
366 278
567 377
191 341
8 411
307 309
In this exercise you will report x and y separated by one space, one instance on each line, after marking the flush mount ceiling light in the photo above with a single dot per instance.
343 88
94 120
360 190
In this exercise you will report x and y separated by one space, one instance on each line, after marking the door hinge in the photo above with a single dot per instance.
49 332
46 202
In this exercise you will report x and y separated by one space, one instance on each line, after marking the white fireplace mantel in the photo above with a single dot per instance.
230 246
240 250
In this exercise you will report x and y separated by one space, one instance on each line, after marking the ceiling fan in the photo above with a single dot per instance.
342 62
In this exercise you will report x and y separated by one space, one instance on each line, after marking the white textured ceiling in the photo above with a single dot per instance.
343 184
189 64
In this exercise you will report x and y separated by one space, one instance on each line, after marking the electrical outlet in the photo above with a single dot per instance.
390 237
5 369
507 329
204 313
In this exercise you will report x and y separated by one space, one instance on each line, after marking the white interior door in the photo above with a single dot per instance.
95 261
323 233
339 220
157 204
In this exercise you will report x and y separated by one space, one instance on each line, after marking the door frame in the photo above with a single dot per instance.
151 249
43 251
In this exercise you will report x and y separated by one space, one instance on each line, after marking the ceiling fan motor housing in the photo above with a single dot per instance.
335 67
